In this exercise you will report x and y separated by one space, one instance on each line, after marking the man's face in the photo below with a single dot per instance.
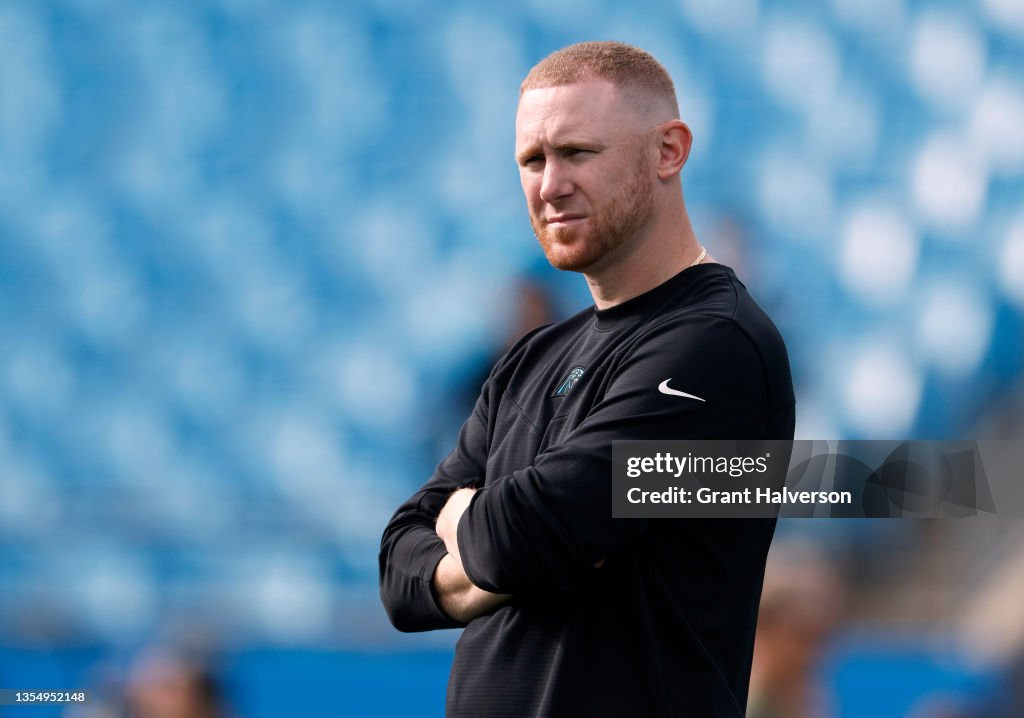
585 171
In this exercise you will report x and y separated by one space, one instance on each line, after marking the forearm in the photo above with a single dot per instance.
408 560
458 597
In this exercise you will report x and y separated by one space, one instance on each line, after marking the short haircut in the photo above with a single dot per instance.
623 65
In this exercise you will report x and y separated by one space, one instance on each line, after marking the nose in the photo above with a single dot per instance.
556 182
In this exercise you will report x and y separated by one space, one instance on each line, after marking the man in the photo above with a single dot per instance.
569 612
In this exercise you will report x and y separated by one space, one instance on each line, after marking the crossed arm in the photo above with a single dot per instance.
459 597
425 584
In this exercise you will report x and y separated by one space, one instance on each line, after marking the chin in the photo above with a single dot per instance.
579 250
571 253
568 263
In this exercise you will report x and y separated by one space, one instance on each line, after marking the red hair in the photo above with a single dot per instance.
623 65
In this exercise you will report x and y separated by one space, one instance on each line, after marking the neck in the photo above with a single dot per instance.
653 257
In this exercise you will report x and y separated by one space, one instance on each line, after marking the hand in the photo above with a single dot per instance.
459 598
448 520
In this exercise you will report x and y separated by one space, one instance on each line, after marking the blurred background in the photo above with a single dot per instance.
255 258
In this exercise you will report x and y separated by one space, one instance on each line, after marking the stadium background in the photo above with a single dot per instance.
253 256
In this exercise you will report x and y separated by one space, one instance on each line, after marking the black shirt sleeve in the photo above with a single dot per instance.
542 528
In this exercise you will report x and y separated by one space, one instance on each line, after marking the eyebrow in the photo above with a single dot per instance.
526 154
577 142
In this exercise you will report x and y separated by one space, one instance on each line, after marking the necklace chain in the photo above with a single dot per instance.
703 253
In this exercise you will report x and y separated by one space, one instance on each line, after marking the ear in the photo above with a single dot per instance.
675 140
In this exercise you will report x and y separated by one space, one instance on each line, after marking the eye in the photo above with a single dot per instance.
533 160
576 152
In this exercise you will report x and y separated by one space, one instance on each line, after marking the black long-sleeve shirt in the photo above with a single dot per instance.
665 627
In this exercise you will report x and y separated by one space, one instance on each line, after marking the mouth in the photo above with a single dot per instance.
564 220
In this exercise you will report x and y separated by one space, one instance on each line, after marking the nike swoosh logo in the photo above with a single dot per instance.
663 388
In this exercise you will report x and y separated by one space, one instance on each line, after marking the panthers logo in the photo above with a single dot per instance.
569 381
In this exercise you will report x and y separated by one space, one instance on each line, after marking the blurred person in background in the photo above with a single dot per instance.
158 683
162 684
532 306
801 605
567 610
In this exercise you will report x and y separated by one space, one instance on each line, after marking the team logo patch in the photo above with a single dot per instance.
569 381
